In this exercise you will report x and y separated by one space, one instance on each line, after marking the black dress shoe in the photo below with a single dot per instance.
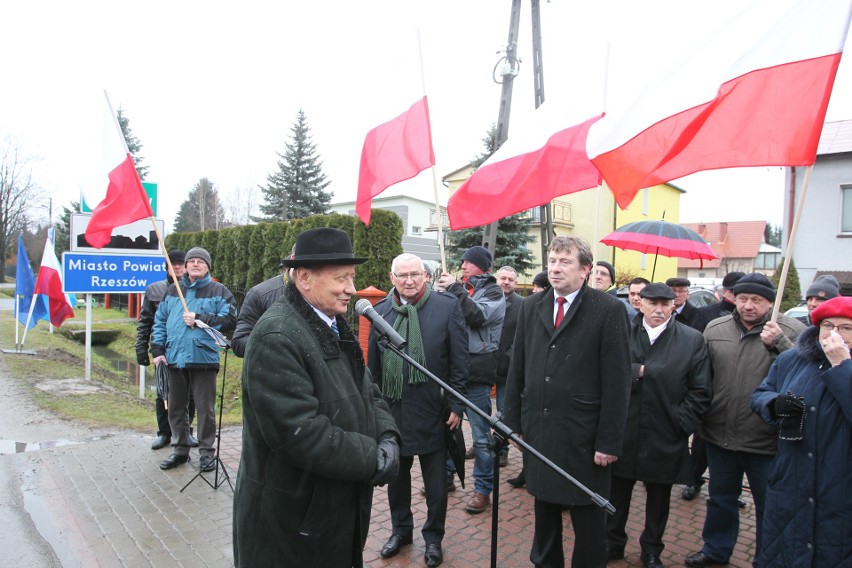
519 481
207 463
173 460
434 555
690 492
650 560
161 442
700 559
394 543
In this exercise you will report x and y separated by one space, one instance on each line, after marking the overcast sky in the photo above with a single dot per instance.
212 88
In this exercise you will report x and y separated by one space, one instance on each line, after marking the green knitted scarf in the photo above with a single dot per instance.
408 325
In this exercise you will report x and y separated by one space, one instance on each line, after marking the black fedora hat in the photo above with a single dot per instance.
322 246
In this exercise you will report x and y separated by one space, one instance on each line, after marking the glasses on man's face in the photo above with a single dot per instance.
407 275
845 329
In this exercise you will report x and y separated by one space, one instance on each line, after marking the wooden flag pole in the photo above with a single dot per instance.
153 220
779 294
434 175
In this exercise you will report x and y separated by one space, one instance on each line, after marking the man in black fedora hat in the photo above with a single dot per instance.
317 435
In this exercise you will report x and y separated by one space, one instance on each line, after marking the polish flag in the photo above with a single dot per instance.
755 94
49 284
393 152
525 172
126 200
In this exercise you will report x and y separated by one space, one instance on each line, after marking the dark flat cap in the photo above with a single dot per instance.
657 291
731 278
678 282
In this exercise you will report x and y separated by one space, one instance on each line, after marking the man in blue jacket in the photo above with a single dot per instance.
483 308
191 354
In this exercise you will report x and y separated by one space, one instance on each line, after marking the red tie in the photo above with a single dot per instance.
560 311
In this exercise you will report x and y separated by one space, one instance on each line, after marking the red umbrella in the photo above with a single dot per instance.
660 237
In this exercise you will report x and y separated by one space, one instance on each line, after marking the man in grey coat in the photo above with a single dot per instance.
567 394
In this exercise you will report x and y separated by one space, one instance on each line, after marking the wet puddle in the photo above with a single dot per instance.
12 447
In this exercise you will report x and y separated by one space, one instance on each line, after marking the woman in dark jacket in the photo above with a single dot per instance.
808 393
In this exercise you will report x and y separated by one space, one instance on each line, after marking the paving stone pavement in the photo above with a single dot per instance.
106 503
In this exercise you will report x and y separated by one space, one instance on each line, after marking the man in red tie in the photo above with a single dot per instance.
571 360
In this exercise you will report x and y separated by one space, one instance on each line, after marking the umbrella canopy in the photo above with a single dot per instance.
660 237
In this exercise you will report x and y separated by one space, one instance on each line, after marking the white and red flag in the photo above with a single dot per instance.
754 94
126 200
525 172
393 152
49 284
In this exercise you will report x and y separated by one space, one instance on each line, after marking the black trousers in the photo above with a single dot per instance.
698 451
657 499
433 467
589 522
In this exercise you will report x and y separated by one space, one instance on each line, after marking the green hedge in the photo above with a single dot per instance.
247 255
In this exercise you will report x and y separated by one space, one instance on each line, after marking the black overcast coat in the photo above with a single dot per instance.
568 389
419 415
666 404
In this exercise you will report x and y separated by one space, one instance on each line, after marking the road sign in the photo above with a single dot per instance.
135 238
98 273
150 188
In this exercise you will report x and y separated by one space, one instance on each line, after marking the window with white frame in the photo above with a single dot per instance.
846 208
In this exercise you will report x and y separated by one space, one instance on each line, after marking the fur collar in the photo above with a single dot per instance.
319 329
808 345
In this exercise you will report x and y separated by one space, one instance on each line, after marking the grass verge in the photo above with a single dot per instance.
55 375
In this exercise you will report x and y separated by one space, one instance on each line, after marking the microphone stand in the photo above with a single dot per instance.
501 434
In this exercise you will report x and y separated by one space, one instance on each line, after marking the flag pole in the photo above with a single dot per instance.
153 220
434 175
792 239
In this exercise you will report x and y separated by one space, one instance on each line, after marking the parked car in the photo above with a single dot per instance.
797 312
700 297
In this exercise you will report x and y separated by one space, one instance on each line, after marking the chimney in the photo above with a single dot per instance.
723 232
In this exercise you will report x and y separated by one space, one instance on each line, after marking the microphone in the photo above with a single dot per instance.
365 308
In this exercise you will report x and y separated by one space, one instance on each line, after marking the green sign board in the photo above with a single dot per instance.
150 189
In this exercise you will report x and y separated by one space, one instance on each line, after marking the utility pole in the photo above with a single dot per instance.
489 238
545 211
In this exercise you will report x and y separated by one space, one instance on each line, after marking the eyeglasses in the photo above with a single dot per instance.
845 329
406 276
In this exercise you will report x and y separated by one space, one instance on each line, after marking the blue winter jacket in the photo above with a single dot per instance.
807 520
186 346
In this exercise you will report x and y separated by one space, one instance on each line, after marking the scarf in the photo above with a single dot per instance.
408 325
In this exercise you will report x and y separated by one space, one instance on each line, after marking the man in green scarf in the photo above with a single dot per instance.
434 329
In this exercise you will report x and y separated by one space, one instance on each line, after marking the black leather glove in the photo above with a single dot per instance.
790 409
142 357
788 405
387 462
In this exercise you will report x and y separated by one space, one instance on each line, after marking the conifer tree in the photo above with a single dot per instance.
133 144
792 289
296 189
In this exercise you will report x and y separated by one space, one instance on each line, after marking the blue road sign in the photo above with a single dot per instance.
96 273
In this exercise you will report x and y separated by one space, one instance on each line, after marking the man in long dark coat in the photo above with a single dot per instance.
670 393
434 329
317 435
567 395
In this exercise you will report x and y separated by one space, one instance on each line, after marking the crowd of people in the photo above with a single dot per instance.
651 390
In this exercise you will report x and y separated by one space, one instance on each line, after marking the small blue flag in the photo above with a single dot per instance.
24 286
